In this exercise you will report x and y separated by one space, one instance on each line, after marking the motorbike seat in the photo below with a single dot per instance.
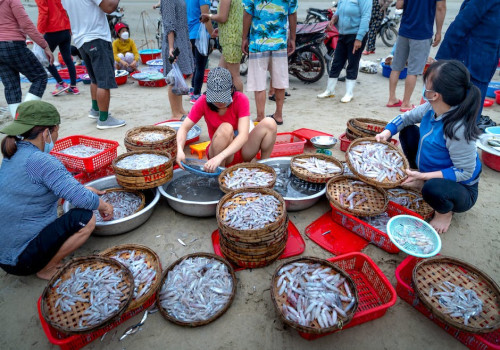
311 28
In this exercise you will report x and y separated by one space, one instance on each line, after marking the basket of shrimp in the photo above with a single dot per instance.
313 295
316 167
247 175
196 289
458 294
365 127
140 170
253 226
378 163
151 137
124 202
86 294
145 266
411 199
349 194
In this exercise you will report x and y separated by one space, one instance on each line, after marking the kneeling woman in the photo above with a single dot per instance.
32 238
227 114
443 149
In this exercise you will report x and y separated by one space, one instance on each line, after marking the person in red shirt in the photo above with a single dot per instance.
53 22
227 114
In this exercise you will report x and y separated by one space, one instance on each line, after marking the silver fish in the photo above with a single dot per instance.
81 151
245 177
124 204
458 301
149 136
258 211
377 161
142 161
317 165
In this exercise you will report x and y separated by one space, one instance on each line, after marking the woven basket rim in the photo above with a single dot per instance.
315 178
73 264
487 280
156 264
426 211
154 128
248 165
311 330
164 313
366 179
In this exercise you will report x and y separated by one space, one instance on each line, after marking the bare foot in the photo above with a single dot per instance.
441 222
47 272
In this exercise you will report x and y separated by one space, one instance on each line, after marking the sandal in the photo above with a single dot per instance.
406 109
397 104
272 116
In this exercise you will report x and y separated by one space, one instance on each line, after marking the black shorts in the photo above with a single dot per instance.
98 57
44 246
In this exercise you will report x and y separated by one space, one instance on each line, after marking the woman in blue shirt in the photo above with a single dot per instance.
32 238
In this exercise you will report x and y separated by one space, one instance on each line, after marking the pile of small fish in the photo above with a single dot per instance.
149 136
124 204
196 289
317 166
99 288
347 170
81 151
378 221
410 235
458 301
258 211
404 198
245 177
144 275
142 161
351 199
314 293
377 161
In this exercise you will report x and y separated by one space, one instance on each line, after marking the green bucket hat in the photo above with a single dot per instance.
30 114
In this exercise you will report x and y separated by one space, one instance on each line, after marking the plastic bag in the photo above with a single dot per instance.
202 40
176 79
40 55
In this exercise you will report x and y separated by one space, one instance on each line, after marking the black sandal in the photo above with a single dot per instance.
272 116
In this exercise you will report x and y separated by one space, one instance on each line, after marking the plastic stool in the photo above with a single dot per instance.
199 148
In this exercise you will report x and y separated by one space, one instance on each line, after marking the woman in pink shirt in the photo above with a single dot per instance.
227 114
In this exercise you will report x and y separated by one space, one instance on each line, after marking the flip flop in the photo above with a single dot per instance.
272 116
406 109
397 104
273 98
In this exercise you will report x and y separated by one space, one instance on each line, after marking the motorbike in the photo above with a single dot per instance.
114 18
315 15
388 29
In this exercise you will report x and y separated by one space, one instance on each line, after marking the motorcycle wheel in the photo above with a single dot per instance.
244 65
312 19
389 34
308 65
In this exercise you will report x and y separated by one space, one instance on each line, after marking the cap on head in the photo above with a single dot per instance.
30 114
219 86
119 26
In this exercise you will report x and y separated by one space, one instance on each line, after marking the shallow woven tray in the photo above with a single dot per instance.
432 272
67 322
279 300
386 183
422 207
306 175
230 170
137 193
170 318
375 204
152 259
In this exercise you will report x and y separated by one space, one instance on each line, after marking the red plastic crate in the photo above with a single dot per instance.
89 164
368 232
404 289
308 134
205 75
78 341
345 142
375 292
83 178
287 144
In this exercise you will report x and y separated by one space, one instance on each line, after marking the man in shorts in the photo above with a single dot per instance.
264 39
92 37
414 44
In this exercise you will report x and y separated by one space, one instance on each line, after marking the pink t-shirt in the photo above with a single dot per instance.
238 109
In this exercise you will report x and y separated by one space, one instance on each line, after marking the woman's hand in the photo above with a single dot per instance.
415 179
133 64
181 157
205 17
49 55
96 191
124 63
213 163
106 210
356 46
383 136
244 46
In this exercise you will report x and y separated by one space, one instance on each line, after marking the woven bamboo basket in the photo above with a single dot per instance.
375 204
67 322
172 319
350 135
308 176
133 141
417 204
137 193
386 183
144 178
153 261
367 126
430 273
315 328
256 247
229 171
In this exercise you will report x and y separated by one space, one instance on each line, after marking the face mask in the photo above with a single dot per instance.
423 95
48 146
125 35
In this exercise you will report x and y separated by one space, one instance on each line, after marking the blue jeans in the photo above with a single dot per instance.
200 62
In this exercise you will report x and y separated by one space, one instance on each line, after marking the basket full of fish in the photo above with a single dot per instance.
458 294
313 295
247 175
141 170
86 294
151 137
145 266
253 226
378 163
411 199
124 202
316 168
196 289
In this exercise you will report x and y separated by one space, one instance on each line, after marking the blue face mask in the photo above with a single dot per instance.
48 146
423 95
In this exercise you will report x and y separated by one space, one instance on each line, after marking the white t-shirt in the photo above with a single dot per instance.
88 21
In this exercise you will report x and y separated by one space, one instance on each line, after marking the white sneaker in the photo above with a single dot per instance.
110 123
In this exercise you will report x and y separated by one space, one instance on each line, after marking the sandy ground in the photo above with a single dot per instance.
251 322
